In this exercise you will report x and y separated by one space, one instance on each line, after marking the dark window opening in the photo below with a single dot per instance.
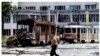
44 7
83 30
52 17
93 18
44 17
64 18
94 30
93 6
19 17
14 31
74 30
67 30
59 7
43 28
19 8
76 18
7 32
82 18
7 20
30 8
75 7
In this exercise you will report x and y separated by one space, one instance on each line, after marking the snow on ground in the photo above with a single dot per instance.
63 50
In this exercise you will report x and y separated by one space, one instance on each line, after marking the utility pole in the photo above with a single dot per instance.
87 23
57 22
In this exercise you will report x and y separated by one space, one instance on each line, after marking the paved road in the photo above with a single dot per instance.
63 50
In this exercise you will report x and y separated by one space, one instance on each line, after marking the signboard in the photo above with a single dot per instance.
70 36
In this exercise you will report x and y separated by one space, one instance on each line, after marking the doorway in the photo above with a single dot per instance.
78 34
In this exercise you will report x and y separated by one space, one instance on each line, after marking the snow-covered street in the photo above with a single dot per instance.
63 50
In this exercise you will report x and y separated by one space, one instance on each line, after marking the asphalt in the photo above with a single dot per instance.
63 50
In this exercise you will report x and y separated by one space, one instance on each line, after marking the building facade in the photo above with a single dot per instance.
62 13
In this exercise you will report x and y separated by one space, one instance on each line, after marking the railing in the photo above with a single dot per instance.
61 11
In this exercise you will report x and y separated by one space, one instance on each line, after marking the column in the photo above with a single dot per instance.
49 33
76 35
11 22
97 33
71 17
87 34
11 18
55 19
11 31
39 33
48 15
80 34
92 33
56 22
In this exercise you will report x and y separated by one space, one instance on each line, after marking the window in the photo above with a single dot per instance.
83 30
16 18
64 18
91 17
93 6
94 18
59 7
67 30
75 7
87 6
43 28
52 18
32 16
30 8
19 17
82 18
44 17
7 32
76 18
97 18
14 31
19 8
73 30
94 30
44 7
7 20
90 6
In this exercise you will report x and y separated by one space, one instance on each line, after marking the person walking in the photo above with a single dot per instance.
54 44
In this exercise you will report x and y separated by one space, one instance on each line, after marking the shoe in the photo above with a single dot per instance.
56 55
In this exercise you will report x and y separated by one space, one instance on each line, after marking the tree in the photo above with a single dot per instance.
7 8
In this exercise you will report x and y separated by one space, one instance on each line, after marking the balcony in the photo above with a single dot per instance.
60 11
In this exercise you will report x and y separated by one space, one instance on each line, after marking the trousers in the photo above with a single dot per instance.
53 50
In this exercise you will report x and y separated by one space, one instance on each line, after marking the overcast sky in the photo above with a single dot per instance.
14 3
